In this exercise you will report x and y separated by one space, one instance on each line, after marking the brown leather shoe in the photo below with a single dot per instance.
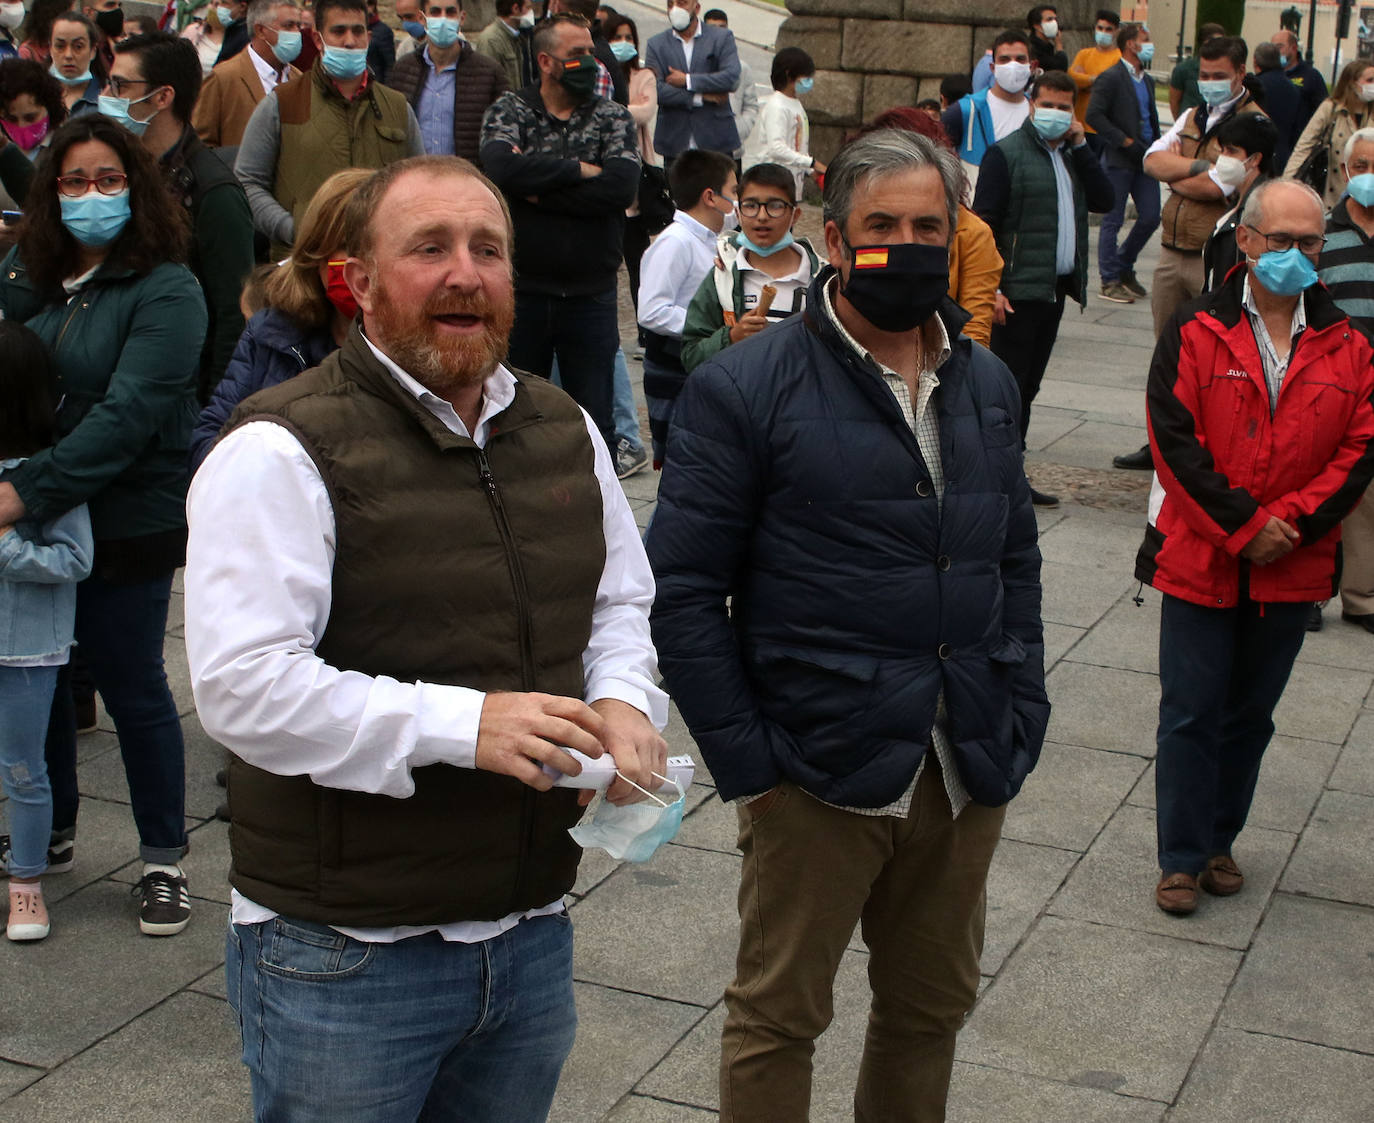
1222 877
1177 893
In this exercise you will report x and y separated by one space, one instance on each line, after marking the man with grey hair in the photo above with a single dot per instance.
848 615
234 88
1261 415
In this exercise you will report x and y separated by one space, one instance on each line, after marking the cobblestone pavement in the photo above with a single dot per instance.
1095 1007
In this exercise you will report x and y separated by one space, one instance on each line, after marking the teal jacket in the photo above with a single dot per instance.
127 352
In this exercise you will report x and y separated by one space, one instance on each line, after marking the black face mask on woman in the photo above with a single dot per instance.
896 287
111 22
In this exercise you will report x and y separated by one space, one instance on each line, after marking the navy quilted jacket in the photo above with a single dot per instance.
794 487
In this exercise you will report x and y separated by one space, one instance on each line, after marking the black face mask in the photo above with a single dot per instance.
897 287
111 22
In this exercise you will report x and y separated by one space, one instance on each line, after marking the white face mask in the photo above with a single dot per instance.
527 20
680 18
1012 76
11 15
1231 171
1049 28
1367 91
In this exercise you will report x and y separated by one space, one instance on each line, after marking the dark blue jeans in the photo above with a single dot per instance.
120 628
335 1029
582 331
1221 673
1128 183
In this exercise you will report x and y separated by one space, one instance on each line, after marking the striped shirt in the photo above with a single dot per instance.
1346 265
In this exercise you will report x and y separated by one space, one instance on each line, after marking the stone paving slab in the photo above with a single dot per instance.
978 1094
1079 595
1321 703
1093 540
1354 771
1290 783
1115 881
1103 708
1022 878
644 1109
1112 405
1306 977
1059 641
14 1077
96 972
1332 859
667 927
1096 441
177 1063
103 776
1127 637
1048 1013
1049 425
1242 1077
619 1037
1070 796
1338 644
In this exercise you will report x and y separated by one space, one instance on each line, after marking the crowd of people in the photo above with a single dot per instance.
288 299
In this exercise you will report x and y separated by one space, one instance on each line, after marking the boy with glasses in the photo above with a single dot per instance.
761 255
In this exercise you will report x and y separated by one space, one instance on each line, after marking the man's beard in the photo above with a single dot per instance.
443 363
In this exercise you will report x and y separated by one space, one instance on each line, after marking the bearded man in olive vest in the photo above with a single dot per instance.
1185 158
334 116
412 577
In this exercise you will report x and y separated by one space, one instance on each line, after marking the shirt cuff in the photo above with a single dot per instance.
446 725
652 702
697 101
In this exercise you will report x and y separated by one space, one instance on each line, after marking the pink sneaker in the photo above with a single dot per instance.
28 914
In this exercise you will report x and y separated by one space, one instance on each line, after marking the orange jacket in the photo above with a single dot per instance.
975 268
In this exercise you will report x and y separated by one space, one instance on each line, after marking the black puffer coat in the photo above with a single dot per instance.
794 486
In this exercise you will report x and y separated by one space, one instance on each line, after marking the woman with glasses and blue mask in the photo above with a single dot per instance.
98 274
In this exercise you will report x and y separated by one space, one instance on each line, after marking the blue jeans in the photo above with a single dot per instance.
334 1029
1127 183
25 699
581 332
120 628
624 415
1221 673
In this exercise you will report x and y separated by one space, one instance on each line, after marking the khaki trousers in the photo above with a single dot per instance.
1357 546
811 872
1178 277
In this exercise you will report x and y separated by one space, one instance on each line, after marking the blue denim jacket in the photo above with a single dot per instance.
40 565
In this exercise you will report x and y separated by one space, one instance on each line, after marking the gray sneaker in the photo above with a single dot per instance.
1116 292
629 459
1131 285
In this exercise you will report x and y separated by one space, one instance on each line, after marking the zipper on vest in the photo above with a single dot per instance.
517 570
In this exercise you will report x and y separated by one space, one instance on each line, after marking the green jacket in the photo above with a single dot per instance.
706 331
127 352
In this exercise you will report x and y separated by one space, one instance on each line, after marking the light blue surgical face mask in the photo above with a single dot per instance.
1361 188
1104 39
117 110
805 85
94 219
1147 54
624 50
344 62
442 31
633 832
1052 123
1283 60
287 48
224 15
1285 273
413 29
1215 92
765 251
77 81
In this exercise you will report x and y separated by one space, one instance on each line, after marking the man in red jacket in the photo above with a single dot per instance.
1261 416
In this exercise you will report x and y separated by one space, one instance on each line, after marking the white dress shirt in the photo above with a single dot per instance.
258 581
670 272
269 76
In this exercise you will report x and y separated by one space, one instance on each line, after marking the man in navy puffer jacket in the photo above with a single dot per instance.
851 481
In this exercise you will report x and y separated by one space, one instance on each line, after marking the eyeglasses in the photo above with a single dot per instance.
74 186
119 85
776 208
1278 241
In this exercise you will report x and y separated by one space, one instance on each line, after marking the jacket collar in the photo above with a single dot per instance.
532 97
1224 305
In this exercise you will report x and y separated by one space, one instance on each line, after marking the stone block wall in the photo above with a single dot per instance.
872 55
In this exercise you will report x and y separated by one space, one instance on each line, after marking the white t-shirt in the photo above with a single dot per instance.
1007 116
791 290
